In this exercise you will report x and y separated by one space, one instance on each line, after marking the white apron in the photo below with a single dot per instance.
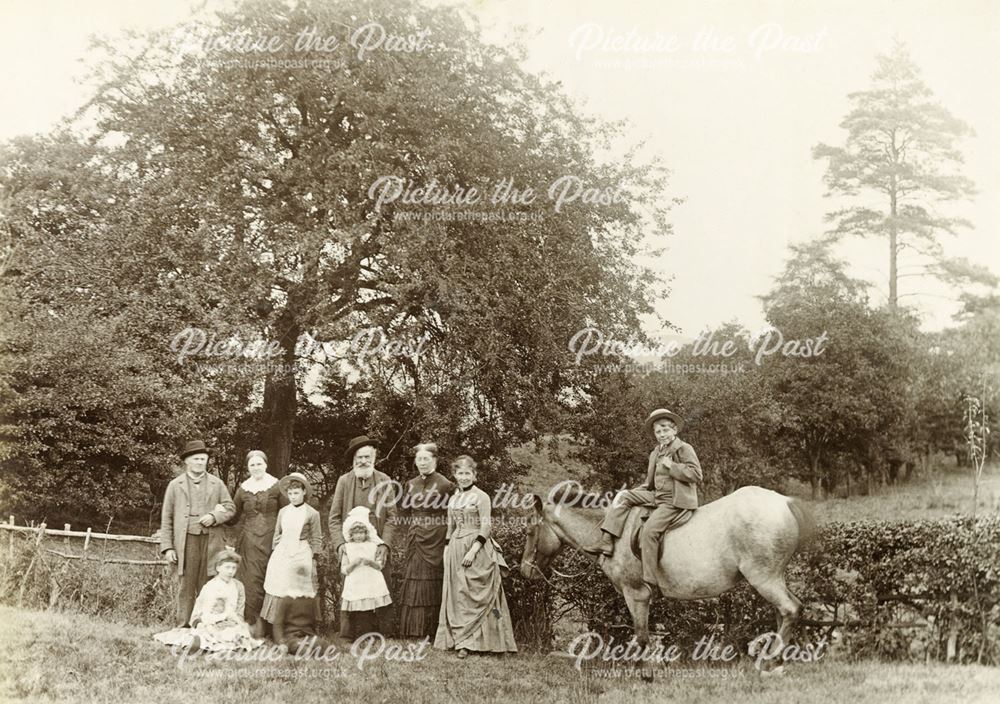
289 571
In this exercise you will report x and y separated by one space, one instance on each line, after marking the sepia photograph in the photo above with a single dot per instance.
499 351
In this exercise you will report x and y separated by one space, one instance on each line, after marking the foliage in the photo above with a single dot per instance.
863 575
901 149
236 198
850 394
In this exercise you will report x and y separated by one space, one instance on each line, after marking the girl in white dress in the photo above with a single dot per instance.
364 585
298 539
217 617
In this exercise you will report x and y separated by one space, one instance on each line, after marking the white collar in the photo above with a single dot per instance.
255 486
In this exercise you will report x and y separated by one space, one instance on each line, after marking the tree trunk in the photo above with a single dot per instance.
893 235
280 404
814 478
893 253
280 399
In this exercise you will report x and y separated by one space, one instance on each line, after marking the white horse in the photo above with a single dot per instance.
750 534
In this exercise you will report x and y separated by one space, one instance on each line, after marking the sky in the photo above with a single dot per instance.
733 109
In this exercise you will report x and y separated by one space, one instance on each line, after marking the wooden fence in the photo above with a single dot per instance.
40 531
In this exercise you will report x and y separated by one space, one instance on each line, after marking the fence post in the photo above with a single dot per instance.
10 545
86 542
953 628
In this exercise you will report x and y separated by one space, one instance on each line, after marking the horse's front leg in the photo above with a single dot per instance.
637 599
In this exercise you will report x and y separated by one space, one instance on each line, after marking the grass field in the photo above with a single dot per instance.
60 657
943 492
66 657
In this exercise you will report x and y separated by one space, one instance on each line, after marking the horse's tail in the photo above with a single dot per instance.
805 519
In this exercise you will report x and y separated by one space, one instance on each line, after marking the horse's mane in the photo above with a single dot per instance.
573 498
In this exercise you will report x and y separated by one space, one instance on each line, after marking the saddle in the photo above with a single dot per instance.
635 543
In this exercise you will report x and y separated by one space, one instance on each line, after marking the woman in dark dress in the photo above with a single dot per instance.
257 502
424 509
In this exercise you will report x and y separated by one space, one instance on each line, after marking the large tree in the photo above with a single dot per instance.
900 160
847 397
235 196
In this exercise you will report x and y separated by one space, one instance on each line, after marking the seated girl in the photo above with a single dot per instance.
217 618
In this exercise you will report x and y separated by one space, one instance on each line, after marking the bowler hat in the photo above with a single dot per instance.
289 478
661 414
193 448
359 442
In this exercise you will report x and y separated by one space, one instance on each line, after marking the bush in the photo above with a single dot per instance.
895 591
137 594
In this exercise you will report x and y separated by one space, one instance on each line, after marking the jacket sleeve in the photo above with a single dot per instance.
485 516
241 599
685 466
391 517
167 520
277 531
238 498
228 508
336 519
315 533
404 514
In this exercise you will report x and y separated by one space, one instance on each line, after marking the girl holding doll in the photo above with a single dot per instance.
364 587
217 618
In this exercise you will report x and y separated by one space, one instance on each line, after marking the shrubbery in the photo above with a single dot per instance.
887 586
895 591
34 578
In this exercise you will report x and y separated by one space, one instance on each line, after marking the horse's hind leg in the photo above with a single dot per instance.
788 608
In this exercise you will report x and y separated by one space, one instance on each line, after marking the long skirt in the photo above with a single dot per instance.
255 551
474 613
289 573
420 598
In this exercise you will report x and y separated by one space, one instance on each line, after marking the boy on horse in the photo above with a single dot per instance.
670 488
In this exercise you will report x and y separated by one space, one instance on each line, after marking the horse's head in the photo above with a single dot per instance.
541 544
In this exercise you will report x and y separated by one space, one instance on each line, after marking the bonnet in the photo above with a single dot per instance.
359 514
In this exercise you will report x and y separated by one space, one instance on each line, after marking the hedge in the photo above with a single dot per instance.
917 590
885 590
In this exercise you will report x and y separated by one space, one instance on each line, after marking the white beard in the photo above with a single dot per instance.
362 473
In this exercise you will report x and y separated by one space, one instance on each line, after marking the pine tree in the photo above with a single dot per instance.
900 159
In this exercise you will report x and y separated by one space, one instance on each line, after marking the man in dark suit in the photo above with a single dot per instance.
195 506
670 487
365 486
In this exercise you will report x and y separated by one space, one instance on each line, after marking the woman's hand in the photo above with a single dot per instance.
207 520
471 554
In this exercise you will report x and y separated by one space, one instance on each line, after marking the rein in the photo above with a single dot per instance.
531 563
